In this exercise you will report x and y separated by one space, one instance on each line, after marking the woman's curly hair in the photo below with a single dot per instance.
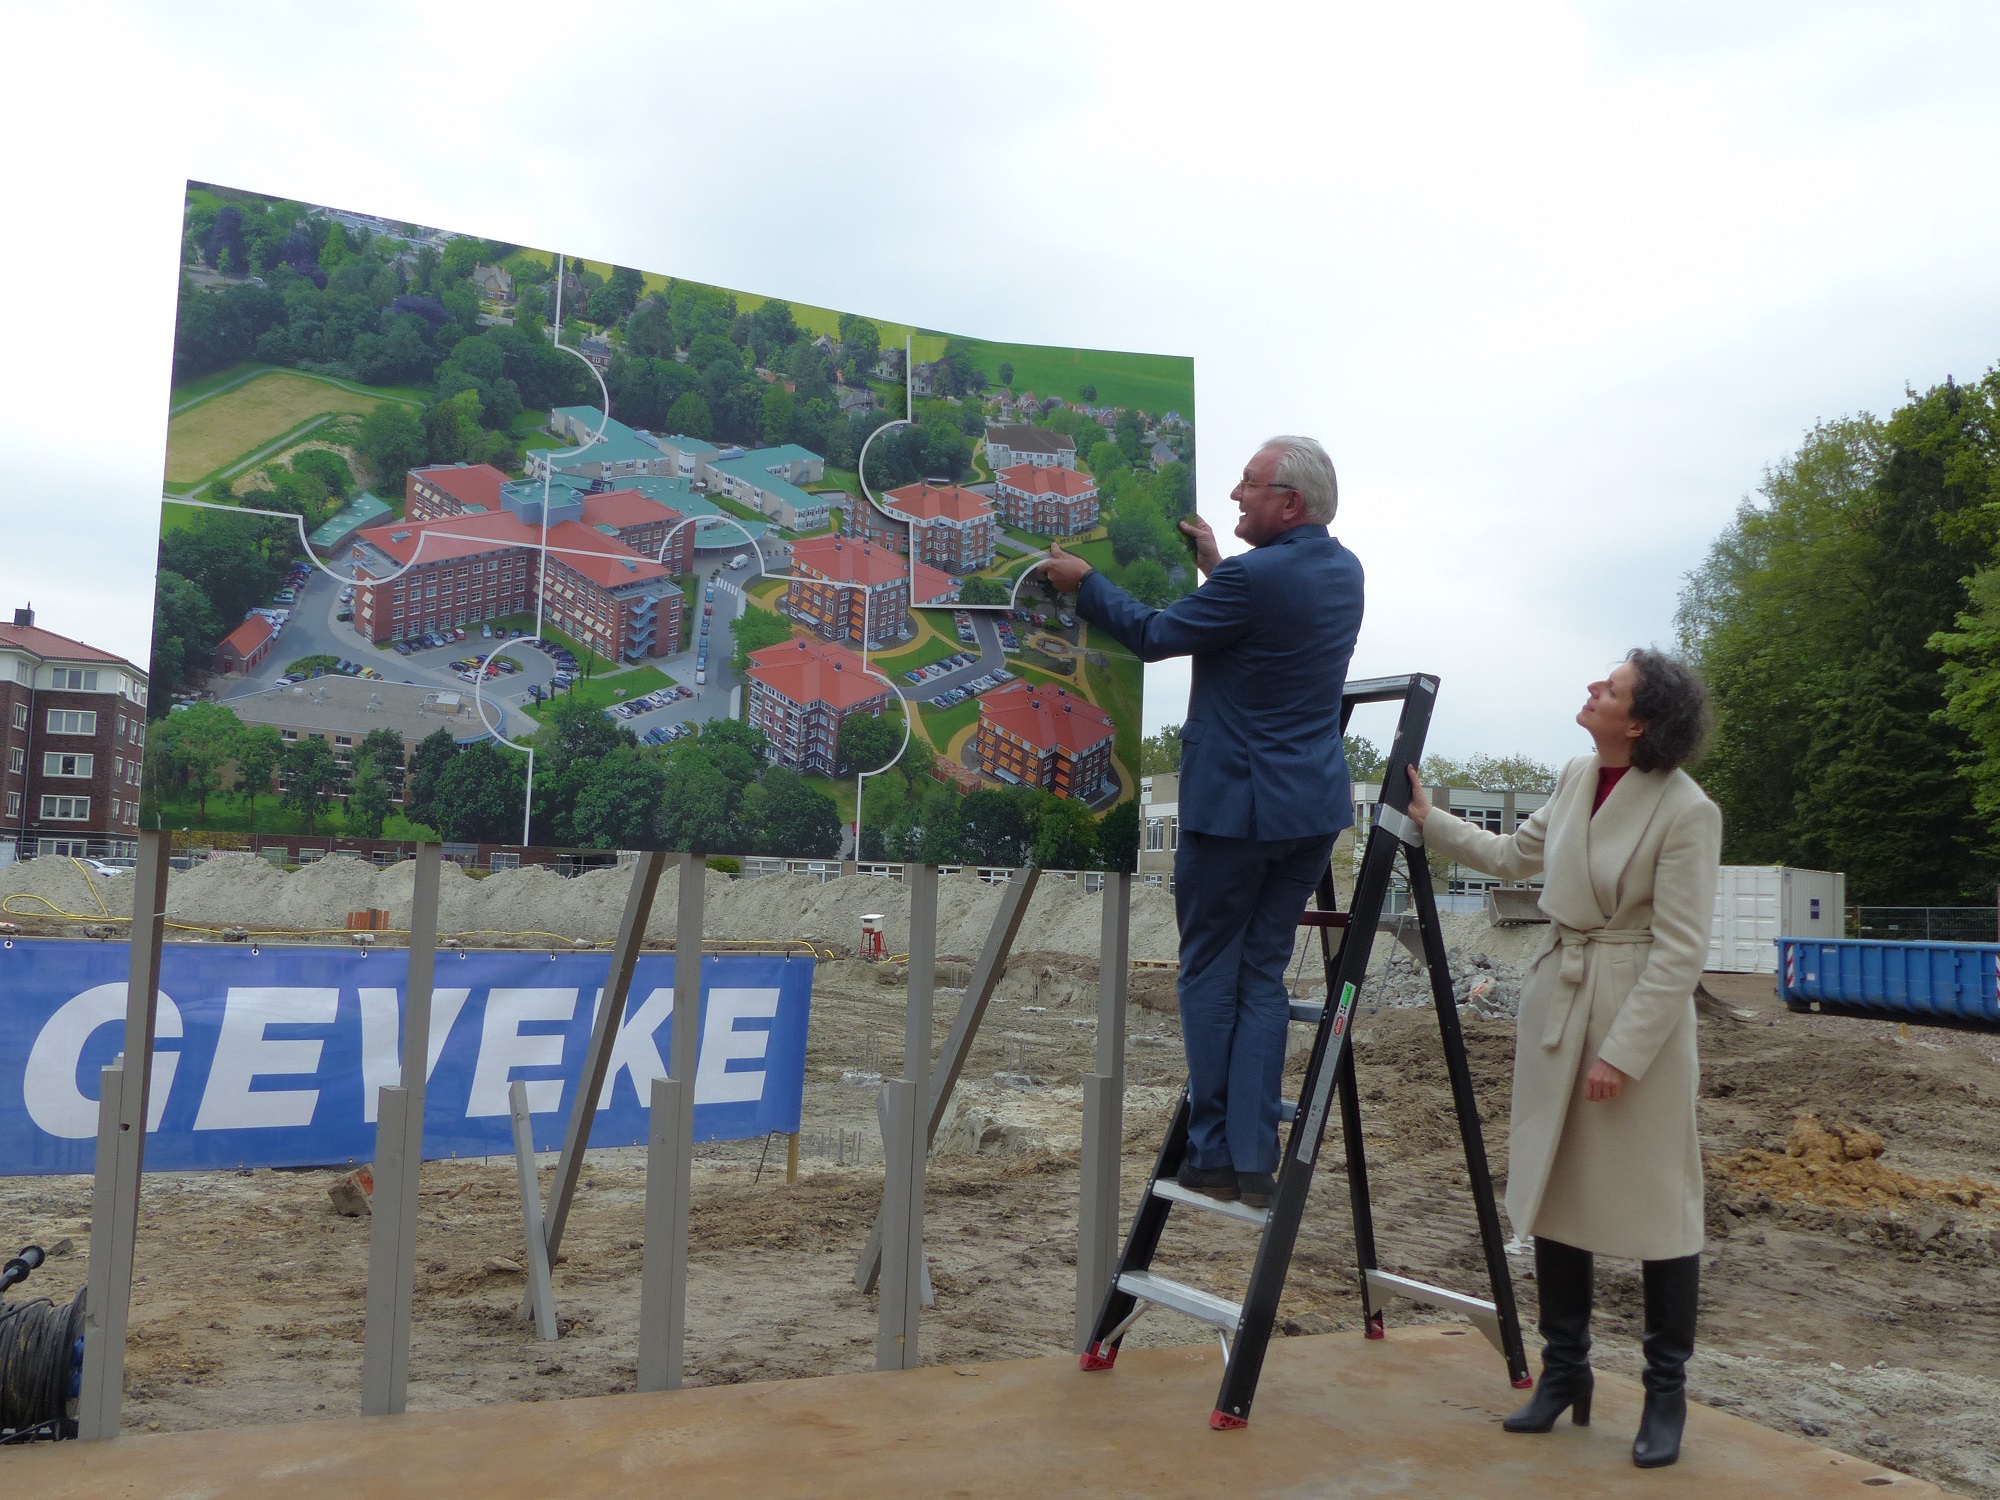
1671 700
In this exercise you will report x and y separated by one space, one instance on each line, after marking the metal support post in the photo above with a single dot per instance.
669 1157
399 1159
603 1033
123 1112
541 1289
1104 1114
792 1157
905 1146
1014 899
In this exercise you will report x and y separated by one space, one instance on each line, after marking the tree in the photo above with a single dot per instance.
689 416
779 409
1087 392
1065 835
479 795
258 749
368 801
198 742
312 777
798 820
1146 580
1161 752
755 629
385 747
867 742
1118 837
1364 761
621 803
434 754
185 632
1511 773
996 829
1006 374
984 591
696 797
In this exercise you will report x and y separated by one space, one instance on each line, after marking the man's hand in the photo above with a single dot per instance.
1065 572
1207 556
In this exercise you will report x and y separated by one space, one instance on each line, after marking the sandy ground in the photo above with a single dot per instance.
1849 1296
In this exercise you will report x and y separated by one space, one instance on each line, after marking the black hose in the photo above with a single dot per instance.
41 1358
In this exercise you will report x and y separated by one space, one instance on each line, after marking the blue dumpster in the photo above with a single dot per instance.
1925 981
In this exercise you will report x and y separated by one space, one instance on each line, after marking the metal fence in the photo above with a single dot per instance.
1925 924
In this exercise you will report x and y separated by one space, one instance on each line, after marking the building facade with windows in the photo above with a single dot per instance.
850 591
950 528
599 582
1047 500
1032 734
1011 443
1159 826
72 744
801 692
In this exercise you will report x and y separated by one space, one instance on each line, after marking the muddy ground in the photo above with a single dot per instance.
1851 1292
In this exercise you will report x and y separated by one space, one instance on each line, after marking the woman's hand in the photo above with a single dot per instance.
1420 801
1603 1081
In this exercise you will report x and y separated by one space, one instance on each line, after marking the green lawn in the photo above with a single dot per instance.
765 594
1027 538
841 789
602 692
942 723
845 480
1157 383
935 648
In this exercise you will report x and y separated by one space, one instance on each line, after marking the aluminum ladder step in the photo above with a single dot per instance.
1173 1192
1206 1307
1311 1012
1485 1317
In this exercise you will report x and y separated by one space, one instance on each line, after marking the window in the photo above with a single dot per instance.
58 848
288 734
54 763
72 721
20 716
74 679
343 739
17 760
13 804
66 809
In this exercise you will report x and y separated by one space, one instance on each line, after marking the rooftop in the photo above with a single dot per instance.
359 511
1048 718
247 637
27 636
842 561
603 560
354 706
469 484
809 670
931 499
1024 437
1045 479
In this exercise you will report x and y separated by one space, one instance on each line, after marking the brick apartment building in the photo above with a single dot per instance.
846 590
1011 443
950 528
1036 735
473 553
72 743
1049 501
801 692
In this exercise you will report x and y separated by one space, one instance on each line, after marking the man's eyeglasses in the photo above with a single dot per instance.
1259 484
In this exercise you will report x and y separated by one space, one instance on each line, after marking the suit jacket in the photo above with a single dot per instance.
1271 632
1630 895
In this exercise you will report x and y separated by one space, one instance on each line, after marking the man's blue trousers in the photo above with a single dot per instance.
1238 903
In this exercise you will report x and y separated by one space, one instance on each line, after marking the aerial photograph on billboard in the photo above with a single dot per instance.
472 541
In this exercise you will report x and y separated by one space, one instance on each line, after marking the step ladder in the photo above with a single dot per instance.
1245 1328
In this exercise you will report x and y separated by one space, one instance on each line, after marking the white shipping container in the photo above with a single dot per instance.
1755 905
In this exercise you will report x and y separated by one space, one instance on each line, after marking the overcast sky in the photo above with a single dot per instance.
1554 282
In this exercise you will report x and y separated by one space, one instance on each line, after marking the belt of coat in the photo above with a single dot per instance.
1573 941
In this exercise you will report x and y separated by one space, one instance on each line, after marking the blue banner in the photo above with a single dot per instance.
272 1057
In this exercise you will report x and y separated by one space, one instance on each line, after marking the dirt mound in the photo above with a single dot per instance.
1840 1166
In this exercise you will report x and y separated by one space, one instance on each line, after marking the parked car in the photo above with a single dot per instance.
402 648
344 616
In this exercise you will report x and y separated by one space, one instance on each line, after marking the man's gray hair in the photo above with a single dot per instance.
1304 466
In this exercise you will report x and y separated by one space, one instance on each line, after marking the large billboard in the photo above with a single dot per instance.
494 543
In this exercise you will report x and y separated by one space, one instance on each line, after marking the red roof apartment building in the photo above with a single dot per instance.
950 528
801 692
466 565
847 590
1047 501
72 743
1036 735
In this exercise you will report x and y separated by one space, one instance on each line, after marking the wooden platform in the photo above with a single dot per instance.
1414 1415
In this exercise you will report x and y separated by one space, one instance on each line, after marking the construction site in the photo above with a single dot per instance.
1850 1285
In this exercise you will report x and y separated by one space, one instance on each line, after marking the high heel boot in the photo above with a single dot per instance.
1563 1276
1673 1288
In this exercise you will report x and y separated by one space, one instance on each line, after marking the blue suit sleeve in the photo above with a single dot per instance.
1210 618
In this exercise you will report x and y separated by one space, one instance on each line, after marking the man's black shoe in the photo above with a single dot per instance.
1210 1182
1256 1188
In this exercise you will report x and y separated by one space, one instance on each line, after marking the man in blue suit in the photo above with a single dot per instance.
1263 785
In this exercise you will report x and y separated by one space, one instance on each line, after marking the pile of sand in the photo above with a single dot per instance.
1840 1166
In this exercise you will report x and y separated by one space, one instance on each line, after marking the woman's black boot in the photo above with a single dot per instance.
1673 1288
1563 1282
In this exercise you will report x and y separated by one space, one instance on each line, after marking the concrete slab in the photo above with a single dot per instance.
1416 1414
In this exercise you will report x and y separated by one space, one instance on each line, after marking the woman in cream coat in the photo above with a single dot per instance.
1603 1157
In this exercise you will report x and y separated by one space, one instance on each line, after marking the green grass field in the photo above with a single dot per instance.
942 723
841 789
602 692
230 426
934 648
1157 383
